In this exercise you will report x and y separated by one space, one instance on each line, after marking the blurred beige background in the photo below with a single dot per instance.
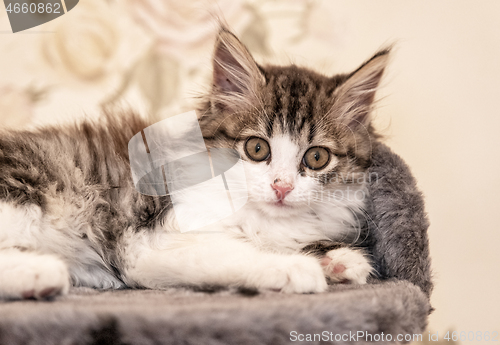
440 106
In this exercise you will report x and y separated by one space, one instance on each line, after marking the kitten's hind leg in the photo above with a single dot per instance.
26 275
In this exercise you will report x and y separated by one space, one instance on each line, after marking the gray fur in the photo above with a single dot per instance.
399 227
84 167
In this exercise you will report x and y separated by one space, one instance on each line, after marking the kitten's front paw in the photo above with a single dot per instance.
294 274
346 265
37 276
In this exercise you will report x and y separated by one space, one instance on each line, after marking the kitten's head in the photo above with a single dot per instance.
303 136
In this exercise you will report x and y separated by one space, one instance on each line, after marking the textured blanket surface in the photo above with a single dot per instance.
183 316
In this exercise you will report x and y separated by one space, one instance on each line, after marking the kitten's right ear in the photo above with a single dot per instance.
354 98
235 73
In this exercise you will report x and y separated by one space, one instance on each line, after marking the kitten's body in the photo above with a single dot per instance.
69 210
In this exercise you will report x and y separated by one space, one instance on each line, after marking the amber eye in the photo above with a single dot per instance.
257 149
316 158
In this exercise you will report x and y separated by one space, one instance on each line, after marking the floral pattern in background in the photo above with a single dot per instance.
149 55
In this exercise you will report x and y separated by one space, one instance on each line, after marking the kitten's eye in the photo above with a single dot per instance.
257 149
316 158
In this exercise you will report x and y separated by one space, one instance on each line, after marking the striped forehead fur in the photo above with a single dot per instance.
251 100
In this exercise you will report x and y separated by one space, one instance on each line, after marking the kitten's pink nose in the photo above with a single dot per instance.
281 189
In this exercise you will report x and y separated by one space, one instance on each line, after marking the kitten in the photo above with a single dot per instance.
69 213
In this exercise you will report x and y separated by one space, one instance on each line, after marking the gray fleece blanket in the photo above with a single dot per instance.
181 316
393 306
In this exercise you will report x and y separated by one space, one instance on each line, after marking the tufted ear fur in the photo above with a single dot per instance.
354 98
236 76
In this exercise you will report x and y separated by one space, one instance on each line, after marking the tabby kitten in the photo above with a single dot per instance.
69 213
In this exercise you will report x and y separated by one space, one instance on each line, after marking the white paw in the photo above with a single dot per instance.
346 265
28 275
293 274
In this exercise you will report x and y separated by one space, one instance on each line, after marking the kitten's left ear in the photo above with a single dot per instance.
354 98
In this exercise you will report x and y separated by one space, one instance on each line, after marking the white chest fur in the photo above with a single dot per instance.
325 221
